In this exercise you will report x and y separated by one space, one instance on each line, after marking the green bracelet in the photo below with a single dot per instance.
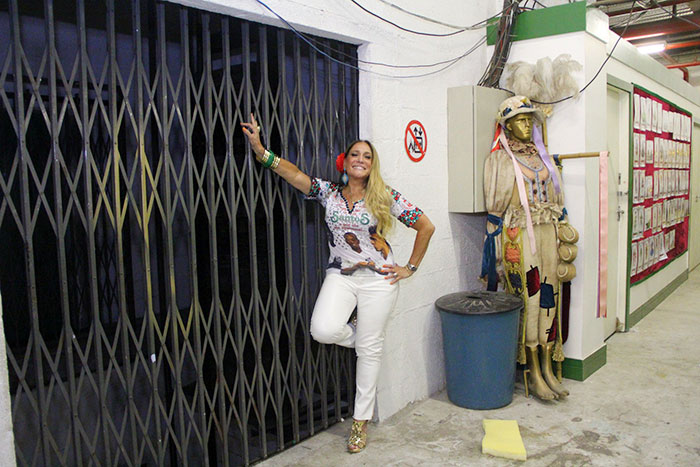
269 159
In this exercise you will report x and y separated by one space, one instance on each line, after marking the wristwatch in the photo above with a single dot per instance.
411 267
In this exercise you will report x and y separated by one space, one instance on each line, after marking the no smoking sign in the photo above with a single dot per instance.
415 140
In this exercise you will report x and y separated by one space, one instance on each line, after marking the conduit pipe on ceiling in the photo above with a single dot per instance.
683 65
684 70
682 45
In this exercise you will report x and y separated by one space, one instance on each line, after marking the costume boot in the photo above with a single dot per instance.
547 372
537 384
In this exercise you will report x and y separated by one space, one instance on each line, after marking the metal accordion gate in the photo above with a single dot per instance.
156 282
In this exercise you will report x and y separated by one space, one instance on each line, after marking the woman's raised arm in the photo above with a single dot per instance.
281 167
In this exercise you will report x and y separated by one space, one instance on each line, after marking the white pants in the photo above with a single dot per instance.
374 297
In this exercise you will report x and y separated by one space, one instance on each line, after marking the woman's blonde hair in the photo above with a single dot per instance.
377 197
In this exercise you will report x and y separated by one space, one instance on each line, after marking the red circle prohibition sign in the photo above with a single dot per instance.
417 142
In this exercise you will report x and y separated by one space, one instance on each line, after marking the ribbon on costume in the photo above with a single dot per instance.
564 213
495 145
546 158
603 235
521 191
488 259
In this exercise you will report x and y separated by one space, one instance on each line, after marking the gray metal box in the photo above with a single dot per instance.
471 121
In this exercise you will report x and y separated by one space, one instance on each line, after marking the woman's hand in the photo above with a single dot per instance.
396 272
252 131
285 169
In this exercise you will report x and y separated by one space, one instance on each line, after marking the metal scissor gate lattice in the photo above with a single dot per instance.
157 284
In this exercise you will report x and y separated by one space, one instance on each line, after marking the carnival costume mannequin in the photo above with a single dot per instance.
524 199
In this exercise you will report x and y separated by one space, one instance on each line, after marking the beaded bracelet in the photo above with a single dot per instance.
275 162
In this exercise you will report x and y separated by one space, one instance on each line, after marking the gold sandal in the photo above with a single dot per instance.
358 437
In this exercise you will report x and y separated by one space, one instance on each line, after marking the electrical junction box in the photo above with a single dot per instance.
471 123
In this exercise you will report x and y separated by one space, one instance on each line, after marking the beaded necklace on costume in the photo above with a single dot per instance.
528 156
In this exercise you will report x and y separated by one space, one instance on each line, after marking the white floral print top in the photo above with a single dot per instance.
352 238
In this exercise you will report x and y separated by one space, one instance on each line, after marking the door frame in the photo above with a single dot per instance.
694 191
626 87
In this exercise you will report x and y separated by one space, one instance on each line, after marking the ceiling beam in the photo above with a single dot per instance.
641 8
662 28
599 3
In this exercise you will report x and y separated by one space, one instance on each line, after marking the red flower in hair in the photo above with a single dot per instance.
340 162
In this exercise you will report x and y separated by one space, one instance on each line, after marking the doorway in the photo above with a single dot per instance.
694 234
618 115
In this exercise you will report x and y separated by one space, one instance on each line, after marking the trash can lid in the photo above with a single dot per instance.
480 302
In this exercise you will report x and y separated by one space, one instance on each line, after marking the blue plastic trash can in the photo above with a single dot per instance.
480 338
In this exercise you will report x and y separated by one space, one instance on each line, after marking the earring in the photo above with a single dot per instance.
344 177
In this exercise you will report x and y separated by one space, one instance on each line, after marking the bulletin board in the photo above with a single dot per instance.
660 184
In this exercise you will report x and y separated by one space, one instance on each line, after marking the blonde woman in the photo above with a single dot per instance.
360 213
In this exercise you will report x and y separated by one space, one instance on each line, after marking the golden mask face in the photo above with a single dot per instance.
520 127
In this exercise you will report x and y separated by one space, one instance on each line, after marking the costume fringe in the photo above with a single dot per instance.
522 359
558 355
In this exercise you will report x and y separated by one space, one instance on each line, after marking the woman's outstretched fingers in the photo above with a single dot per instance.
252 132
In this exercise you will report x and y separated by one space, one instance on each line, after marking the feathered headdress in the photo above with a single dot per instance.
546 81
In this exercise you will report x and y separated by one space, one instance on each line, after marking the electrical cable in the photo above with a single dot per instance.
599 69
355 67
368 62
406 29
475 26
494 69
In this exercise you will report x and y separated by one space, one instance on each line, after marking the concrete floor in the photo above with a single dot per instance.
641 409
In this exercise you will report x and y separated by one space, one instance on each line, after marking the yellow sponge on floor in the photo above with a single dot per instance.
502 439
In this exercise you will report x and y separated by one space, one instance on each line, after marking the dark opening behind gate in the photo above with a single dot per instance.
156 283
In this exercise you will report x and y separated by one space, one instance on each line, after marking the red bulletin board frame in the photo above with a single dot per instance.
640 240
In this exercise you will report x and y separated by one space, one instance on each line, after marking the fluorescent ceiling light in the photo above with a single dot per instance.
644 36
652 48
